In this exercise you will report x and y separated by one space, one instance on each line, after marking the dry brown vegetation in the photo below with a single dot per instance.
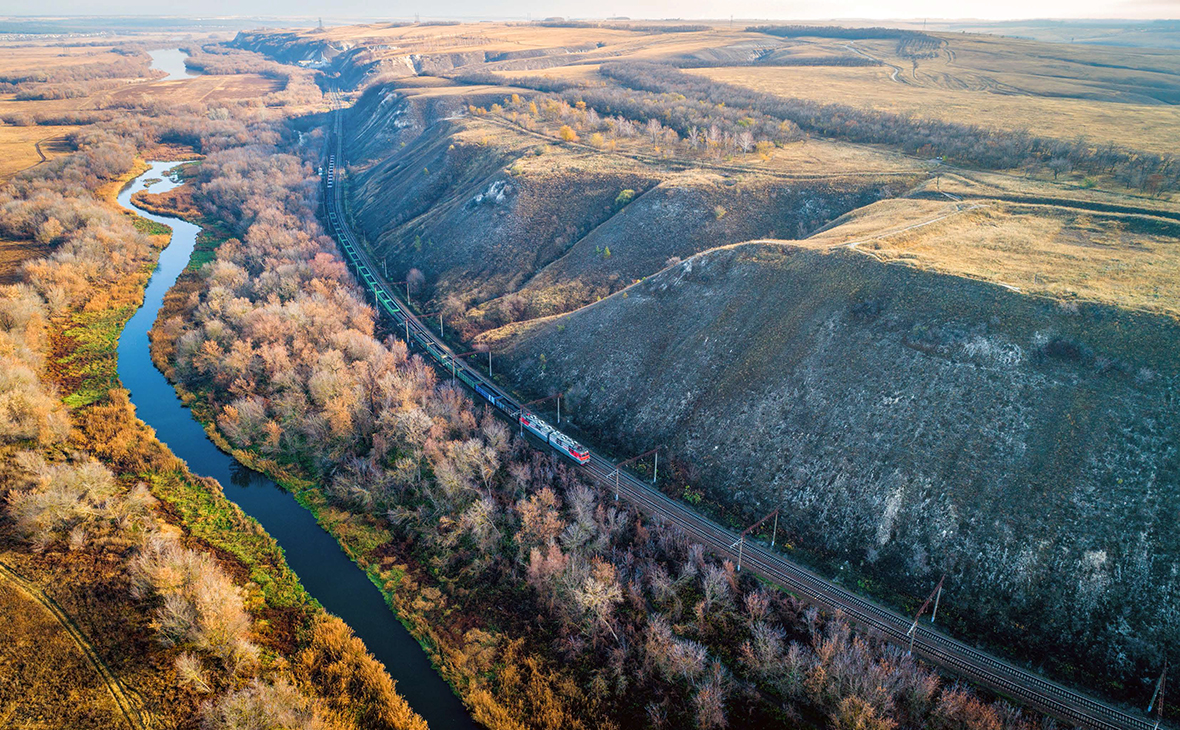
15 253
41 664
154 576
1152 128
197 90
19 145
548 604
1067 254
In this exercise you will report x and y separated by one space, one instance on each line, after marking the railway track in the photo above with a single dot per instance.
935 647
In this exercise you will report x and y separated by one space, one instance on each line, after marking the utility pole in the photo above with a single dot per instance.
1157 698
628 461
740 544
913 632
937 598
542 400
476 352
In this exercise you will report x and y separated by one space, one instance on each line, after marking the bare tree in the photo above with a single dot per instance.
745 141
653 128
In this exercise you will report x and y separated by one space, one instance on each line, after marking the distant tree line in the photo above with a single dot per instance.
667 118
850 34
968 144
136 65
638 28
772 60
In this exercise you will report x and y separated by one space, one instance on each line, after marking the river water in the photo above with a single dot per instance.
172 61
322 566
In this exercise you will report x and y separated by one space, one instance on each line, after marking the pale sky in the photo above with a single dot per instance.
778 9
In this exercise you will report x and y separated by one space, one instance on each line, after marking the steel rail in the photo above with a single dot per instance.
936 647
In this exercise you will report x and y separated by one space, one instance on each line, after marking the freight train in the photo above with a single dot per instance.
417 333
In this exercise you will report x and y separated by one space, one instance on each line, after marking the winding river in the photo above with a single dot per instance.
322 566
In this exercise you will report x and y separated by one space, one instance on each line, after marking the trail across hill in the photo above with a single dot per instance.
933 646
124 699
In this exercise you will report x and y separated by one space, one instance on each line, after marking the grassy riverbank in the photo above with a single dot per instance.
74 606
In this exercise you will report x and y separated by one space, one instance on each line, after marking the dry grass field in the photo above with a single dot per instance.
499 38
48 680
198 89
1109 95
19 145
15 253
1155 128
35 58
1042 250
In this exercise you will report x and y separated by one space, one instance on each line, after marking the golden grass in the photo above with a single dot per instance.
34 58
1152 128
423 91
1041 250
49 681
495 38
15 253
492 37
198 89
579 72
18 145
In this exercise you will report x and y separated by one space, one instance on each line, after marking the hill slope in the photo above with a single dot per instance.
908 423
505 225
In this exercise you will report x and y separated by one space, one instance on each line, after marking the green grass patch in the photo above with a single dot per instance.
213 518
91 364
209 240
150 227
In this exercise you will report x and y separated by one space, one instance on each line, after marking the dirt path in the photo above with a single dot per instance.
127 701
854 244
892 75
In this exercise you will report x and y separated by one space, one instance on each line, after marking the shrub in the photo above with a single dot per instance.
273 706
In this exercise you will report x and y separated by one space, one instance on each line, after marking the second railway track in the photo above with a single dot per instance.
939 649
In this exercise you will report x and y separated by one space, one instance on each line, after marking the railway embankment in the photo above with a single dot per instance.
908 424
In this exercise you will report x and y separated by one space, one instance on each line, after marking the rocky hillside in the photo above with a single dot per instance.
908 424
506 226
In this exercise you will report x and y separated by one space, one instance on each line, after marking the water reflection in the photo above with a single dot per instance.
172 61
324 569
